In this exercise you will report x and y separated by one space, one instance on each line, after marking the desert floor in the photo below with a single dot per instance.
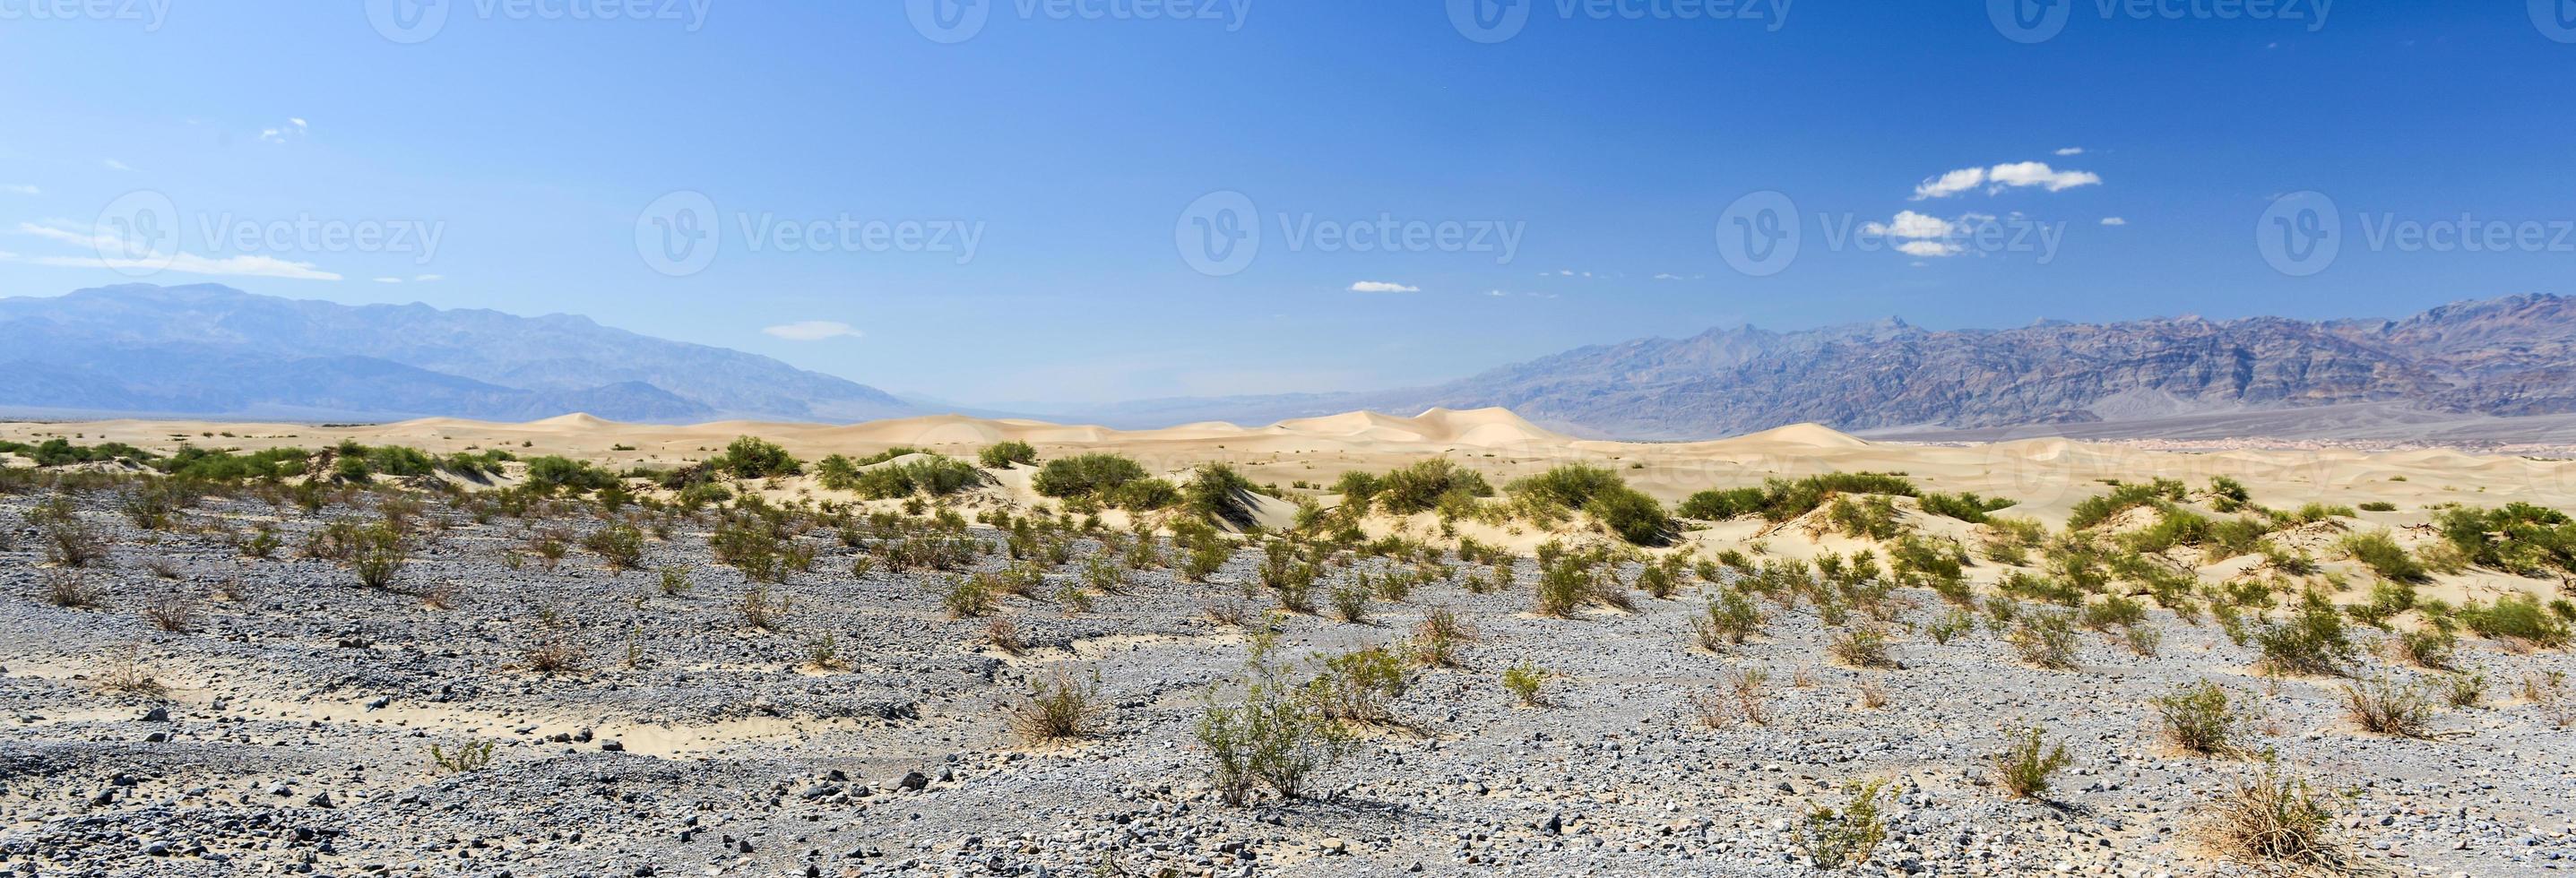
287 724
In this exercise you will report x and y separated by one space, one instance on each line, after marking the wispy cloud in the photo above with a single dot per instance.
813 330
1379 286
115 165
293 129
139 257
21 189
429 278
389 280
2114 221
2013 175
2072 150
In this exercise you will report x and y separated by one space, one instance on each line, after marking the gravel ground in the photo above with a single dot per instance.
294 733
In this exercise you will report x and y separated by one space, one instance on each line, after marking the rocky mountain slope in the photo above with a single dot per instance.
214 350
2514 356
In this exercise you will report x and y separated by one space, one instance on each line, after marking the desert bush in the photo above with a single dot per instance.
1086 475
2045 639
174 613
2516 617
1633 516
2464 690
762 610
1844 837
1219 494
1060 708
1422 487
1525 682
2203 719
1950 626
2122 498
69 541
674 582
1739 698
1270 736
1967 507
2278 820
2383 706
1359 686
1437 639
2311 641
1862 646
377 554
121 669
2024 769
620 546
2381 553
969 597
2430 647
1350 604
1730 619
555 652
468 757
70 590
751 457
1001 455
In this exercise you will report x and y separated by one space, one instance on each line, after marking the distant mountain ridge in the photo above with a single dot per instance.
214 350
2510 357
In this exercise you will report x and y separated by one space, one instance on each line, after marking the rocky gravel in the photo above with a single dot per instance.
293 734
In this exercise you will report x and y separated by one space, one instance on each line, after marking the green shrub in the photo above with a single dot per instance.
1525 682
1634 516
2045 639
2122 498
2202 719
1001 455
1845 837
1424 486
751 457
2383 555
1086 475
1967 507
1572 485
2025 769
1219 494
563 473
2519 617
1272 736
2310 641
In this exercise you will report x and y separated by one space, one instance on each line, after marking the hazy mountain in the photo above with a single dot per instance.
2513 356
214 350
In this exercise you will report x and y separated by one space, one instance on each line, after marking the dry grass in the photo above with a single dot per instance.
2382 706
70 590
121 670
1738 700
175 613
1059 709
2278 820
1003 634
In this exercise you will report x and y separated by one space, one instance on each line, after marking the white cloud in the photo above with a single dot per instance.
2012 175
294 128
427 278
1497 294
104 242
389 280
1950 184
115 165
2040 174
2072 150
2114 221
1909 224
1928 248
1668 277
813 330
1375 286
21 189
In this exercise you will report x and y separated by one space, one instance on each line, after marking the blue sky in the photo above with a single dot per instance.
1611 144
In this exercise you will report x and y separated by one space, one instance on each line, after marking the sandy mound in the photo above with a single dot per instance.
1803 436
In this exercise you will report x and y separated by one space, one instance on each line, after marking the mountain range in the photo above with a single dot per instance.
212 350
